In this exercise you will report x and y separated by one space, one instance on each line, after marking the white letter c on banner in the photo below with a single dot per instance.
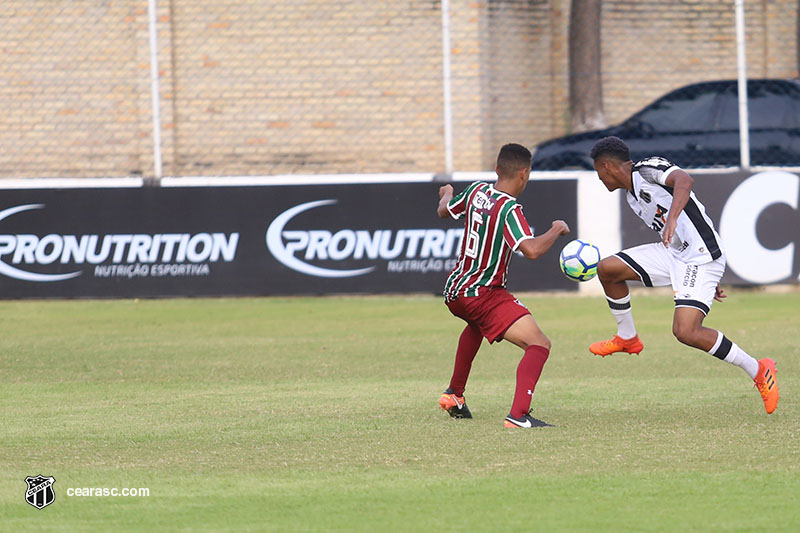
737 227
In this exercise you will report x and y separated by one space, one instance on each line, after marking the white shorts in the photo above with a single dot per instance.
693 285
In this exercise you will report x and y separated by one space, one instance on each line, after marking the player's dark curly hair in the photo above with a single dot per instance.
613 147
513 157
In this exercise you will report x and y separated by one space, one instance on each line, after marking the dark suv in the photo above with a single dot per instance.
697 126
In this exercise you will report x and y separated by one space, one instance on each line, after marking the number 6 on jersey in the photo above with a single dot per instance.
474 237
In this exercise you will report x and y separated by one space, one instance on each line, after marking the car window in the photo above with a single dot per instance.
769 106
682 111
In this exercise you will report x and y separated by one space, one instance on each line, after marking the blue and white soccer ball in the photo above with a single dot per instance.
578 260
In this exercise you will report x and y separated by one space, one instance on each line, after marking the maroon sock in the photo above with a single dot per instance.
468 345
528 372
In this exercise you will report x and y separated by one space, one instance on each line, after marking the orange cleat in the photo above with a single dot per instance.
617 344
767 384
455 406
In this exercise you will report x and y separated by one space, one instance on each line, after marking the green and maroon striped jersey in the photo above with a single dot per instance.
494 229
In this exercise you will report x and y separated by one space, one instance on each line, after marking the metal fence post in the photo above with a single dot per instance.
154 89
744 122
446 77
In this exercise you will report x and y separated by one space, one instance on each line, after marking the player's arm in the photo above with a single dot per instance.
681 184
445 195
537 246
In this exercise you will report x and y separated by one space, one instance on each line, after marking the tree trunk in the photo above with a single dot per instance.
585 81
797 44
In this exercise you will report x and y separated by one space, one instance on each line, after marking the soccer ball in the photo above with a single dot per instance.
578 260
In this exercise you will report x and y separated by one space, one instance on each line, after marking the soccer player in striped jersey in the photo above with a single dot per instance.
690 257
475 290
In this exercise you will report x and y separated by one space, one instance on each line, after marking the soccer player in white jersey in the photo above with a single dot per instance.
690 257
475 290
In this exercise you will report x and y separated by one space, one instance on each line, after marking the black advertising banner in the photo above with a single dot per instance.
267 240
757 218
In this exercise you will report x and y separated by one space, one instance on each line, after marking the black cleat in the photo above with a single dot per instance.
526 421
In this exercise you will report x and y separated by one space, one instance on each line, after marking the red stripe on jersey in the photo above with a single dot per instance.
487 247
521 224
493 246
465 263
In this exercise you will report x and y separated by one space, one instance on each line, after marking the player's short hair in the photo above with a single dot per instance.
513 157
612 147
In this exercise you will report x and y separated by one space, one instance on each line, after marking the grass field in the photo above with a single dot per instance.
318 414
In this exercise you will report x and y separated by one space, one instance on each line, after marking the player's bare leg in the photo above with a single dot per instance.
687 326
526 334
614 274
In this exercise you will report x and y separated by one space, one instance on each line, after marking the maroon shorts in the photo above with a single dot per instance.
492 312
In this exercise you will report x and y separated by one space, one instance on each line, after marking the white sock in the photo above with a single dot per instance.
731 353
621 309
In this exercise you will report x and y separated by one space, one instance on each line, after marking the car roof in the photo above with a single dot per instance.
721 84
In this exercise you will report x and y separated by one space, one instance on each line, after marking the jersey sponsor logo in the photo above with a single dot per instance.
690 276
316 252
481 201
23 255
645 196
659 219
654 162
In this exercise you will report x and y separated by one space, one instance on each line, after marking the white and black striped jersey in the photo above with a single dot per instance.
696 241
